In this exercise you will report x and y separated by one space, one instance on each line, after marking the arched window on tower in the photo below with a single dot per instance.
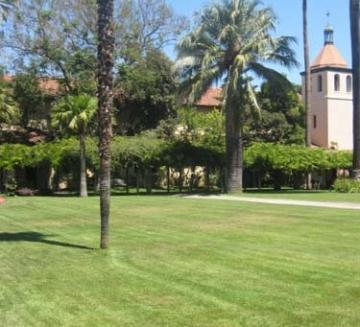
349 84
320 83
337 82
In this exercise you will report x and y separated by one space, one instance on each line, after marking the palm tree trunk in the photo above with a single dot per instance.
307 90
137 180
355 44
148 180
234 148
105 96
127 179
168 179
83 183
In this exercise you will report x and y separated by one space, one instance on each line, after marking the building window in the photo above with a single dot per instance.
315 121
320 83
337 82
348 84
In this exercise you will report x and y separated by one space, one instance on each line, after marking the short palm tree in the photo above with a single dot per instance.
355 43
76 113
232 42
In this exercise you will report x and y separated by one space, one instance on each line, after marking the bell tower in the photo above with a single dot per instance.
331 97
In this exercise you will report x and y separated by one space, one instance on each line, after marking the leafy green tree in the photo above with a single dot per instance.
5 6
144 93
144 25
281 119
58 37
190 127
61 37
205 129
76 113
355 44
232 39
106 45
33 103
9 110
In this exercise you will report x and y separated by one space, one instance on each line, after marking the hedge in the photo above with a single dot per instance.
290 158
148 151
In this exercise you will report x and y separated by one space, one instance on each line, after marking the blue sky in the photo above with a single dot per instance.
289 13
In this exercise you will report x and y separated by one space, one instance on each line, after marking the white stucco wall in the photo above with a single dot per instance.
333 111
340 114
319 135
340 124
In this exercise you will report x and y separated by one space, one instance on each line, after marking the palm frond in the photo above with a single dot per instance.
74 112
269 74
282 52
231 39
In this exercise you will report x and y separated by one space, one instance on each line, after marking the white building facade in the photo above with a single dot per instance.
331 98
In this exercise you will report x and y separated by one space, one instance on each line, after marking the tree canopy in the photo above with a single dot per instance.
144 93
232 40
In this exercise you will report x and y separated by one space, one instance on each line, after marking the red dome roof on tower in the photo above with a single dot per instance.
329 56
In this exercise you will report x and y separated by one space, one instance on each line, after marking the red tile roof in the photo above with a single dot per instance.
329 56
211 98
49 85
7 78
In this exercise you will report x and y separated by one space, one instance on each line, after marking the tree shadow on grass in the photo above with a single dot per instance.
38 238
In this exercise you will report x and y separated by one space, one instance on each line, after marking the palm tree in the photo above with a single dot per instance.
355 45
105 96
307 88
307 85
232 41
76 113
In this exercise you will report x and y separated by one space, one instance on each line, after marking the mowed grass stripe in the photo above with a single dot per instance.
179 262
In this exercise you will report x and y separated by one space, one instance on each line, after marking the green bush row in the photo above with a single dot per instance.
291 158
149 151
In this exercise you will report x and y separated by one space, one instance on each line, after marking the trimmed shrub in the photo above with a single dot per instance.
346 185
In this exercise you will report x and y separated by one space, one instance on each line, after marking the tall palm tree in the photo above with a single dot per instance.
355 46
307 85
105 96
231 42
76 113
307 89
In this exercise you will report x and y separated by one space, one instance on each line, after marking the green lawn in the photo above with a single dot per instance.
178 262
303 195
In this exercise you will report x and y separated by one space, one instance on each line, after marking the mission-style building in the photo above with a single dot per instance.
331 98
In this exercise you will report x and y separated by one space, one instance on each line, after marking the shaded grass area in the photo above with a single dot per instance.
177 262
